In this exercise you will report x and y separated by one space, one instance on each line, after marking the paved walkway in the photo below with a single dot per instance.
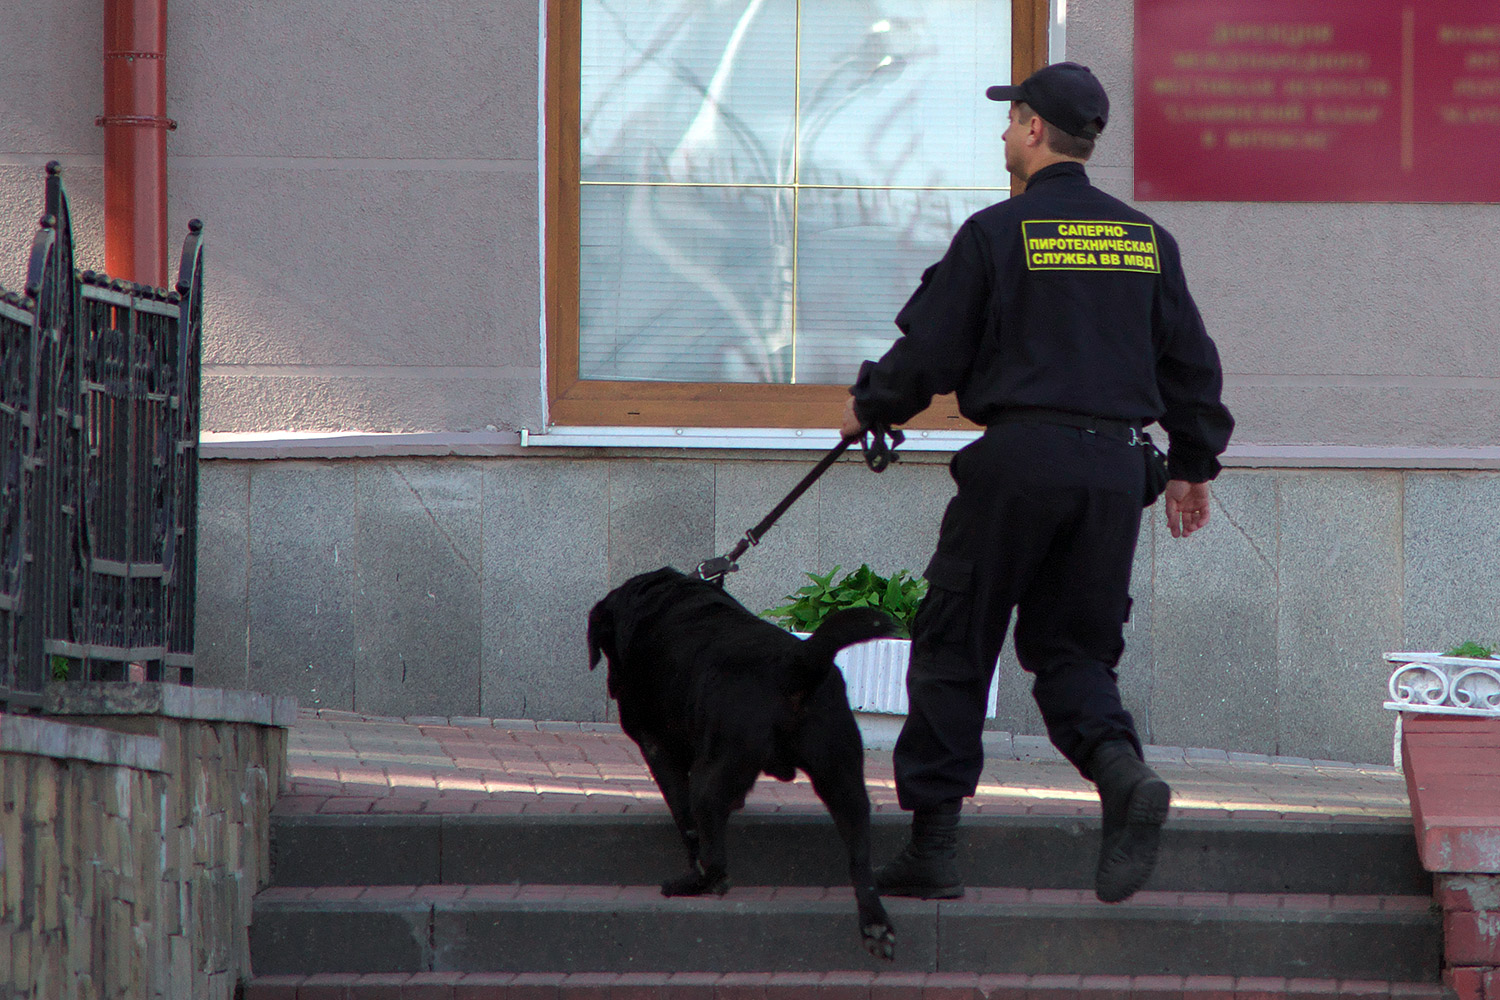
343 762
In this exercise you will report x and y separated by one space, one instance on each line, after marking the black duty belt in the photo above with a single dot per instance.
1128 431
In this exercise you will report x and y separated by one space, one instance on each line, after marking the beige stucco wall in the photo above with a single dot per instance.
1338 324
368 175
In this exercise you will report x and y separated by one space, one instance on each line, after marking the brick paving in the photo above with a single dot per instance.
823 985
347 763
344 762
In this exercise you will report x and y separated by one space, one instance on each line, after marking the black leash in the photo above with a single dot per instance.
878 455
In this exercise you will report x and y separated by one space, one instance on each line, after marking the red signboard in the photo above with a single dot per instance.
1317 100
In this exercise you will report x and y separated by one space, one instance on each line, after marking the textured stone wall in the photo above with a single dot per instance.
130 859
461 587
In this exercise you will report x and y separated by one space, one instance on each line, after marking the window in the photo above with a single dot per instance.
742 193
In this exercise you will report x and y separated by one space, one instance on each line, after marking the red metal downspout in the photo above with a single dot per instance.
135 140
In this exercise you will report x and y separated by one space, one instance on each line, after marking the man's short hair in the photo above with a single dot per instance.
1057 140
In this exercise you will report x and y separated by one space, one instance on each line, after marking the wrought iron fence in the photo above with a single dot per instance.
99 484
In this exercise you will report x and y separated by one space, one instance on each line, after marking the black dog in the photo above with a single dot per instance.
714 696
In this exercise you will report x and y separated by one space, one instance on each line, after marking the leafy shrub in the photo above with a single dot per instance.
898 596
1472 649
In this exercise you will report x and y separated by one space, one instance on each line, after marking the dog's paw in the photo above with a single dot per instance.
683 885
696 883
880 940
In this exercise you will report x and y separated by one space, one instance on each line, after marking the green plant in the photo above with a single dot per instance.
1472 649
897 595
62 667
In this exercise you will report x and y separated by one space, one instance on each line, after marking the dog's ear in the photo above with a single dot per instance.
601 632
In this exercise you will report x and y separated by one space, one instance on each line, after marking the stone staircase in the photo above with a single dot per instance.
465 907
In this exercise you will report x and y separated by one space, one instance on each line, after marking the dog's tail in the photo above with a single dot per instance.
840 629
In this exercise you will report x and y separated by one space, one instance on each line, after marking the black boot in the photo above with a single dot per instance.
927 866
1135 802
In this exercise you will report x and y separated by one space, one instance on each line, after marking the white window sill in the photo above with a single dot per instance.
764 439
621 441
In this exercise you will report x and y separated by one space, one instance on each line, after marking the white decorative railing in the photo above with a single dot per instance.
1444 685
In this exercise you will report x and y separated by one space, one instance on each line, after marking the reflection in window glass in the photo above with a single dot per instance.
763 181
691 91
686 284
860 254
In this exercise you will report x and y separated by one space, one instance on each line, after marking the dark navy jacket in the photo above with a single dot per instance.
1061 297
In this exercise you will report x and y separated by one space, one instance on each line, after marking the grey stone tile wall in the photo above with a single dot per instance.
462 586
661 513
301 570
1452 572
1340 596
1214 626
1137 670
889 520
546 558
418 607
769 572
221 650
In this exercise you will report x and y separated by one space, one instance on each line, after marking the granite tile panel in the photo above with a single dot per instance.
302 572
418 605
889 520
744 493
1340 610
661 513
546 541
1214 618
1450 535
221 639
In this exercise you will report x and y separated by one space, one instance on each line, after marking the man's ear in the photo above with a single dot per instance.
1036 131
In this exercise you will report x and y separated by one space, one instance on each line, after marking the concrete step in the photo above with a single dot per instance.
802 849
821 986
604 929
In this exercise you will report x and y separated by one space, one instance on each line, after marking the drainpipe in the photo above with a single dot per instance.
135 140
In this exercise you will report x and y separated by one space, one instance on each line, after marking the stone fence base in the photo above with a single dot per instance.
133 837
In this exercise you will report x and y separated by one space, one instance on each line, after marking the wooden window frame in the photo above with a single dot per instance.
573 401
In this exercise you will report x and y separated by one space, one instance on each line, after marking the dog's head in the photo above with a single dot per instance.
612 621
602 633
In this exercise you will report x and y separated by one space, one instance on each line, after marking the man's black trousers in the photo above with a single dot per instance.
1045 523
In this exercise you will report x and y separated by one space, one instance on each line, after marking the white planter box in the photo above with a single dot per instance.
875 674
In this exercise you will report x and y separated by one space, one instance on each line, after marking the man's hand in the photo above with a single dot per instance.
1187 507
851 428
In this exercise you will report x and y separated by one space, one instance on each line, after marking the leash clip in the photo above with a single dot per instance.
714 570
879 455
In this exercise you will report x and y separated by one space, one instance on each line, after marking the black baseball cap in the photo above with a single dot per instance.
1066 94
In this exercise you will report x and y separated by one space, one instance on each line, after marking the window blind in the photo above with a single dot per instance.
763 181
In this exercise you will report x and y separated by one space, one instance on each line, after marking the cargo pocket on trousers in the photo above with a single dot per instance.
945 612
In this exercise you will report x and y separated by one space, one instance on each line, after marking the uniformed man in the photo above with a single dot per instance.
1062 321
